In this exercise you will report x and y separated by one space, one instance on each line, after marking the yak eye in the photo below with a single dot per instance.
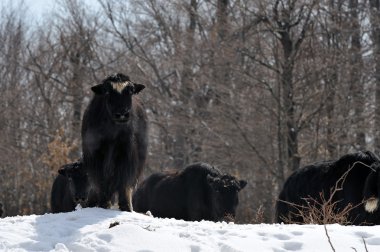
107 95
128 90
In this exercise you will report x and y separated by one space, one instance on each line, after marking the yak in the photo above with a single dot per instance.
198 192
70 188
352 182
114 140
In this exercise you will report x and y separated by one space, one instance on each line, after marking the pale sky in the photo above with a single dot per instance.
39 7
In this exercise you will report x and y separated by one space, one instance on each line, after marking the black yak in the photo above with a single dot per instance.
114 140
357 178
70 188
198 192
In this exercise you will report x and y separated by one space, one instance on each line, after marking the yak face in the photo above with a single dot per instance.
78 182
372 189
224 193
117 91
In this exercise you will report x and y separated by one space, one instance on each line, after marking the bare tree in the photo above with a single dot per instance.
356 68
374 14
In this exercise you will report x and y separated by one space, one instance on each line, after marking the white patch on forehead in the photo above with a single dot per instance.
119 86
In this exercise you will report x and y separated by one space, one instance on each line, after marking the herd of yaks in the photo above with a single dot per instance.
114 147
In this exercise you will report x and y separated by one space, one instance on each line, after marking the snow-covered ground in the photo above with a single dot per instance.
91 230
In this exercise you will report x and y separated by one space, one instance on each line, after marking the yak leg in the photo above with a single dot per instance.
103 202
104 196
92 200
125 199
99 200
129 197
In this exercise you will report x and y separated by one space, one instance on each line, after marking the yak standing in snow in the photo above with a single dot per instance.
198 192
114 140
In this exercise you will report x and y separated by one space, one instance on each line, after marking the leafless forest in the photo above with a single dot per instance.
256 88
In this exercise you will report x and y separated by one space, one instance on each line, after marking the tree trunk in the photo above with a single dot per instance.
181 144
356 68
288 100
375 32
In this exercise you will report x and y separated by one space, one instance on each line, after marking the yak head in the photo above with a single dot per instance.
224 195
117 91
78 181
372 189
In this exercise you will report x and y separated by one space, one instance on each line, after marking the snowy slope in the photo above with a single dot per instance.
89 230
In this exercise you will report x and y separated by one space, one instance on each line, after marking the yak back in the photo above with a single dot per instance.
181 195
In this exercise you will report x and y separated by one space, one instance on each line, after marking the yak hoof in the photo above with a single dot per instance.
125 208
105 205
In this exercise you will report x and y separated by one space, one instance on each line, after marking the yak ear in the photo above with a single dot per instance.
63 171
98 89
138 88
67 170
242 184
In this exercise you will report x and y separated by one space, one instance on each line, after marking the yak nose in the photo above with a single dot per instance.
122 115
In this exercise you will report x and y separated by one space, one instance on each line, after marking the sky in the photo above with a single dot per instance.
38 8
95 229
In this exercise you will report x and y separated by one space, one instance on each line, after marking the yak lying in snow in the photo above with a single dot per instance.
114 140
70 188
358 176
198 192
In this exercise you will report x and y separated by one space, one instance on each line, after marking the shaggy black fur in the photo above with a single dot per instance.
114 140
362 183
198 192
70 188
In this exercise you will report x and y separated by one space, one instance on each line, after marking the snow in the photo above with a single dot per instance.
90 229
